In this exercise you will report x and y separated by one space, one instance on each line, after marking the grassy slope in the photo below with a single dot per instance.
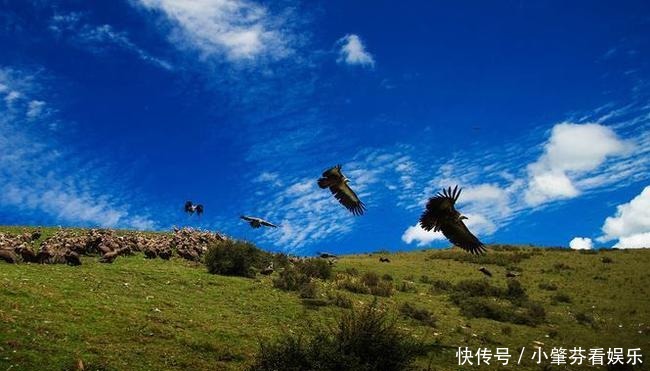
140 314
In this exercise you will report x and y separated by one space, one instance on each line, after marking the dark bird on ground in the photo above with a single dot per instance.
28 255
384 260
257 222
165 254
486 271
192 208
440 215
36 235
326 255
338 184
109 257
8 256
72 258
511 274
150 253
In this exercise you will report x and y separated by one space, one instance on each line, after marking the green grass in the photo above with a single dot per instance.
138 314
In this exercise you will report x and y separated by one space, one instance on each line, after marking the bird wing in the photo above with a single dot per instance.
440 207
333 172
199 209
188 207
268 224
457 233
346 196
246 218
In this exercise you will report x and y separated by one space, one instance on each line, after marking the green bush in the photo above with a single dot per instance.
547 286
316 268
352 271
383 288
407 286
560 297
340 299
290 279
477 288
515 292
370 279
362 340
308 290
419 314
233 258
440 286
425 279
606 260
353 285
387 277
585 319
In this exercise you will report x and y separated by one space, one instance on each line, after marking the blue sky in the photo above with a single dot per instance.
115 113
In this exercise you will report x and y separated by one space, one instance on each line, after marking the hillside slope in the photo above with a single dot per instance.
138 314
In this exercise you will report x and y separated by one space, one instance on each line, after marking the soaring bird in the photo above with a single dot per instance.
338 184
191 208
440 215
257 222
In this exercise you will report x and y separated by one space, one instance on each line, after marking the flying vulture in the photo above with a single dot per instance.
257 222
338 185
191 208
440 215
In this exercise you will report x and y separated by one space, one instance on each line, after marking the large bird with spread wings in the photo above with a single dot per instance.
191 208
257 222
338 184
440 215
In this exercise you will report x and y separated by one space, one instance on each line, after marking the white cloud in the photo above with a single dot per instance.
238 29
635 241
35 108
99 39
581 243
415 233
571 151
38 176
631 223
353 52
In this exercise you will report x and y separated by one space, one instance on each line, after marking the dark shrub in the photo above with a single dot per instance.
340 300
352 271
316 268
561 267
353 285
233 258
387 277
370 279
308 290
291 279
606 260
506 330
477 288
515 291
383 288
362 340
547 286
439 286
425 279
560 297
418 314
585 319
407 286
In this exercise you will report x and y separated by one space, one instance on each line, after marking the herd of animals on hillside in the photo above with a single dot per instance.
66 246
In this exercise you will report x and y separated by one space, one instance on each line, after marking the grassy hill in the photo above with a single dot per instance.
138 314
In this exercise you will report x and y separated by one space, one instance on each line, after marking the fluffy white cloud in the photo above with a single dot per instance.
581 243
631 223
353 52
571 151
237 28
38 176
